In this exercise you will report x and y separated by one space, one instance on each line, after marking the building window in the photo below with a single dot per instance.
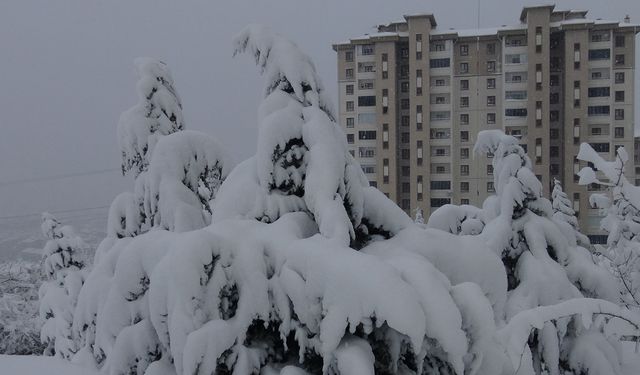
437 47
439 63
464 50
366 84
619 96
464 119
385 136
404 138
439 202
440 185
367 49
350 122
404 71
406 187
464 153
464 186
490 188
515 59
598 110
515 112
350 138
619 114
491 83
367 101
619 132
349 89
597 92
464 85
619 59
366 67
348 56
349 73
464 170
367 118
404 104
464 136
599 54
515 95
440 82
491 66
404 120
491 49
367 134
464 67
489 170
554 98
440 133
515 77
367 152
554 133
554 151
350 106
405 171
464 101
514 41
491 118
405 154
619 41
491 101
619 77
404 53
404 87
600 147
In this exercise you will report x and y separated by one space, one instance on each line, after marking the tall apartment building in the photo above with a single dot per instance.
413 99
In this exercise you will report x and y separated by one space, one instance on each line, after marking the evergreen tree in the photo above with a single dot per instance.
63 263
563 212
158 113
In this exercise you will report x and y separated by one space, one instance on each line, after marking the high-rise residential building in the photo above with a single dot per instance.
413 98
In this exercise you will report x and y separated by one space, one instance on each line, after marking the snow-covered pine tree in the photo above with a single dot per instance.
63 263
189 166
183 171
622 220
158 113
563 212
302 162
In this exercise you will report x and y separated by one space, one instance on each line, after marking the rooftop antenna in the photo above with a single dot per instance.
478 14
627 19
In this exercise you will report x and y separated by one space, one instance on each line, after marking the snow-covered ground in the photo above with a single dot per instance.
34 365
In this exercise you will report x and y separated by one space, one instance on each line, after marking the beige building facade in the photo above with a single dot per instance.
413 99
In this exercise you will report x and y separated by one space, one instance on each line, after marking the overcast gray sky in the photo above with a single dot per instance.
66 74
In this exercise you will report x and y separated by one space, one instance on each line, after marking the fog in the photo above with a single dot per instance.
66 74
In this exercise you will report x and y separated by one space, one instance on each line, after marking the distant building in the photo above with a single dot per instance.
414 97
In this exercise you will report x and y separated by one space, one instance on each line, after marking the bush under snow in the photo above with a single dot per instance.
19 320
